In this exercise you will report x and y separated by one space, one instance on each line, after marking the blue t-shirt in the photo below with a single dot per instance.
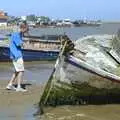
15 46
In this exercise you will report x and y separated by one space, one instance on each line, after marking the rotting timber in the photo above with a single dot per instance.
78 80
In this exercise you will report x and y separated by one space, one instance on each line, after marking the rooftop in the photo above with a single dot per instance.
3 15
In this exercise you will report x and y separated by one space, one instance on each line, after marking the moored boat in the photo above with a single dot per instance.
35 48
3 37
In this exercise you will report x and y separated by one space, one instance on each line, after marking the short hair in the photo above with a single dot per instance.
24 25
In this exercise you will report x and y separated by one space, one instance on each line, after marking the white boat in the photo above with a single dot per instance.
90 75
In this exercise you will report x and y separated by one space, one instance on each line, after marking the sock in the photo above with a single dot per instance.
10 84
18 86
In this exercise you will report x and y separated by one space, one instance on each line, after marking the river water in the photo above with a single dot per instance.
76 32
39 72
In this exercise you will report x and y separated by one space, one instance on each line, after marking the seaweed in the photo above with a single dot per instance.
82 94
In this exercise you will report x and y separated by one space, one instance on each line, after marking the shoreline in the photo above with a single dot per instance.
19 105
12 98
22 105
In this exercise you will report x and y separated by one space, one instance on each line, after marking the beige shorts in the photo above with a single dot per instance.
18 65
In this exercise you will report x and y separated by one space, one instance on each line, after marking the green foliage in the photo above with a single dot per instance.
31 17
44 19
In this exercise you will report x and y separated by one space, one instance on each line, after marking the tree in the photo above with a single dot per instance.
44 19
31 17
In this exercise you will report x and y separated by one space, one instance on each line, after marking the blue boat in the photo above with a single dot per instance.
35 49
29 55
3 37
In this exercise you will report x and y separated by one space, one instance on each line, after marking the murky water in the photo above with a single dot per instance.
76 32
17 113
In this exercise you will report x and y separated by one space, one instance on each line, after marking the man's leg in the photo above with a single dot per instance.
19 81
10 84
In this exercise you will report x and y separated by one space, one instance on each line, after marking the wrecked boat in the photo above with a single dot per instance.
89 73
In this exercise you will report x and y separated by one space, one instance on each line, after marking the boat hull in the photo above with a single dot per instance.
77 83
29 55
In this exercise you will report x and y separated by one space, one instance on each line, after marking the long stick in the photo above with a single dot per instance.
48 86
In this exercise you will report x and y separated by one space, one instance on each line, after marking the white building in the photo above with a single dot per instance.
23 18
67 22
3 19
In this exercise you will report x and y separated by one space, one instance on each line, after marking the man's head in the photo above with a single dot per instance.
24 28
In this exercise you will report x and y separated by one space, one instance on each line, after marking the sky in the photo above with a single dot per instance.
65 9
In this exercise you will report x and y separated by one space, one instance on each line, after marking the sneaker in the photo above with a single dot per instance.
21 90
10 87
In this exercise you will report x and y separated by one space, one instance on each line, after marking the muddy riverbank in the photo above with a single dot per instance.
22 106
19 105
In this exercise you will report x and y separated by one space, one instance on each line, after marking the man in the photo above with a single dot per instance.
16 43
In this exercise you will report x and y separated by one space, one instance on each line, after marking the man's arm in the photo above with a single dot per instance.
18 41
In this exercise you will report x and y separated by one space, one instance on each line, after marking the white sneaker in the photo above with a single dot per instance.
10 87
21 90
